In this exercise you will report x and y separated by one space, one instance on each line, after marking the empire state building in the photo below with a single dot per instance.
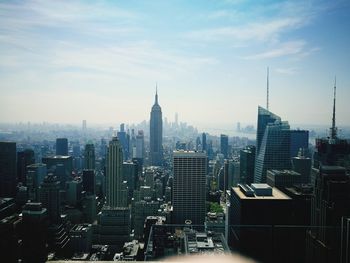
156 134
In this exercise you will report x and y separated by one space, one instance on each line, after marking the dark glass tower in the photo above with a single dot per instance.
62 146
156 134
8 180
224 145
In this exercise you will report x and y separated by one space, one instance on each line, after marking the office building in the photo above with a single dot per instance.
204 142
35 223
24 158
156 134
89 181
143 209
62 146
247 164
140 145
8 181
329 204
190 171
274 150
302 165
252 214
61 166
73 191
224 145
89 156
50 197
81 238
114 178
282 178
299 139
122 136
35 176
264 117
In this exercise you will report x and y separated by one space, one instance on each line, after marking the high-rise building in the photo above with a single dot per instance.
122 136
156 134
190 170
331 198
8 180
61 166
140 145
302 165
251 210
299 139
89 156
204 142
329 204
24 158
264 117
62 146
114 173
224 145
247 164
35 176
274 150
50 197
89 182
35 222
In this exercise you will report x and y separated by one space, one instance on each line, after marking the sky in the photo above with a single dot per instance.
65 61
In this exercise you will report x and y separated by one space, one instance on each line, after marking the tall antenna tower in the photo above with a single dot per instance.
267 84
334 129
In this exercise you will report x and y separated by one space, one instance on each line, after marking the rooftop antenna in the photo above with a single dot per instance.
334 129
156 93
267 84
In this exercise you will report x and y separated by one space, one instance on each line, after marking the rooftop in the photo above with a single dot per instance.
276 195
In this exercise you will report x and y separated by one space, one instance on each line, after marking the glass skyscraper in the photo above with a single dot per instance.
274 150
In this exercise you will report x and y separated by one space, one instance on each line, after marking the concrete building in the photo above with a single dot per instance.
282 178
190 170
252 213
114 178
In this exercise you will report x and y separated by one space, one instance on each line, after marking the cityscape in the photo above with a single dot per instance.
93 168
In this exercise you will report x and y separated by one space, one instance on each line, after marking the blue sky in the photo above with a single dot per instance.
64 61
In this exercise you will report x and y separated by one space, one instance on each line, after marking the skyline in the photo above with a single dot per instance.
100 61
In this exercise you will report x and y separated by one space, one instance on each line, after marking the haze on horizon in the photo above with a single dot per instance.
67 61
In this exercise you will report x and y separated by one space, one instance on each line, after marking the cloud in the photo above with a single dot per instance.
287 71
264 31
285 49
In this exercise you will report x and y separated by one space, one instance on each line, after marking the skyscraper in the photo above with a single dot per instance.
7 169
140 145
204 142
62 146
274 150
264 117
50 197
24 158
224 145
298 139
190 170
89 156
156 134
122 136
247 164
114 173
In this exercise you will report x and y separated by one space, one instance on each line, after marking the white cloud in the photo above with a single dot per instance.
284 49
